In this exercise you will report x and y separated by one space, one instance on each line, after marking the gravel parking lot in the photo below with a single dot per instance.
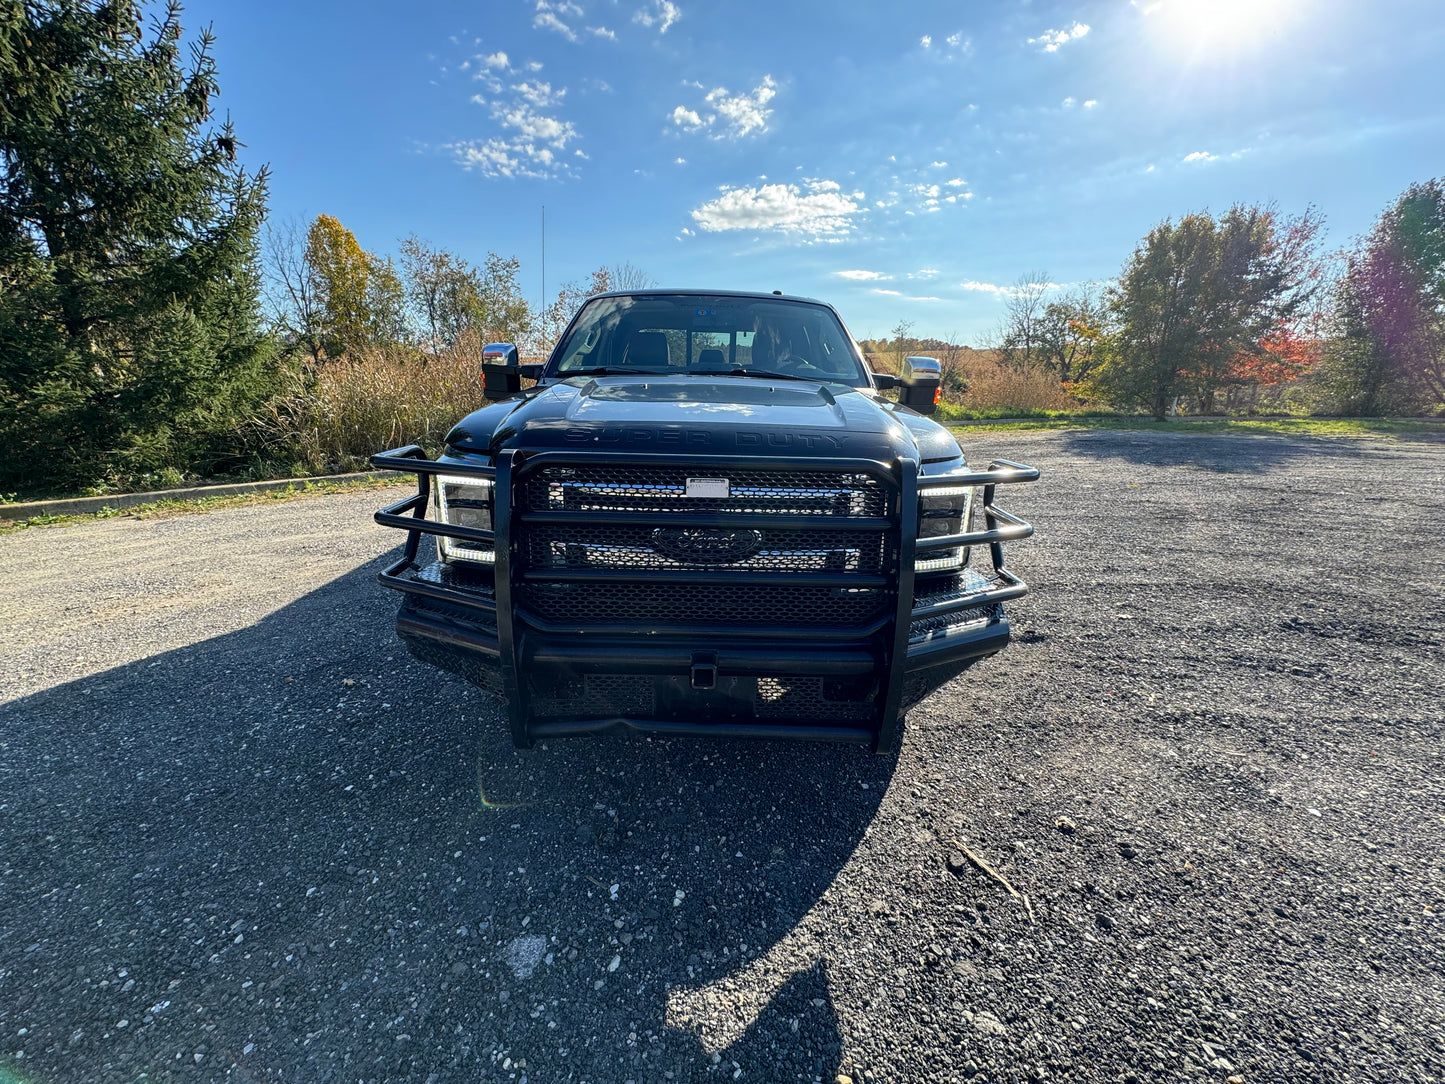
243 836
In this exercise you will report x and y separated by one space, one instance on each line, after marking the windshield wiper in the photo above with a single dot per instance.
752 372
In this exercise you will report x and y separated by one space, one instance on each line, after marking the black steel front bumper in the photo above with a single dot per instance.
696 679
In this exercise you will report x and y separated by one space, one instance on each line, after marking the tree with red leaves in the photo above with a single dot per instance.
1197 296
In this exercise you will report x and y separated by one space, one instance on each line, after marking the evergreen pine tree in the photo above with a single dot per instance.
130 332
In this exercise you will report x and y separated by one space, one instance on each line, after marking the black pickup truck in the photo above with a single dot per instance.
704 518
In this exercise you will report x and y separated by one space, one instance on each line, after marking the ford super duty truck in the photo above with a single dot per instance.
703 519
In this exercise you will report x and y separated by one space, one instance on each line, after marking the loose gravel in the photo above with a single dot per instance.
243 836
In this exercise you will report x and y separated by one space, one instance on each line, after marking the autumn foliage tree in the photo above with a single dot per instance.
451 300
1197 296
1388 348
1070 333
359 294
1282 356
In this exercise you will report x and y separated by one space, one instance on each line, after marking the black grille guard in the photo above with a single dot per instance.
901 479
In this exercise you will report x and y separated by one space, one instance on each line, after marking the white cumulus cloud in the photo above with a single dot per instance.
660 13
1050 40
546 19
539 94
1200 156
986 288
953 45
862 276
1006 291
730 116
503 158
816 209
686 118
530 140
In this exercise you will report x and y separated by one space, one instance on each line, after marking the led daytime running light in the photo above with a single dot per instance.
939 564
464 480
944 491
455 552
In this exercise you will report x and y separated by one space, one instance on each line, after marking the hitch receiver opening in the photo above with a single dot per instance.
704 670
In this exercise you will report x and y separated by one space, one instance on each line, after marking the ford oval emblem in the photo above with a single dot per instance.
706 545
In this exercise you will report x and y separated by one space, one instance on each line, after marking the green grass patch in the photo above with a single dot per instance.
158 509
1298 427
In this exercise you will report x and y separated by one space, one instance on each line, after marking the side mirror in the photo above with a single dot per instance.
921 384
531 370
501 371
884 381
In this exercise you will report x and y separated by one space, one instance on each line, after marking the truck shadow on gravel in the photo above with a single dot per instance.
293 853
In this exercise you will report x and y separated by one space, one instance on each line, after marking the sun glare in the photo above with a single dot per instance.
1220 23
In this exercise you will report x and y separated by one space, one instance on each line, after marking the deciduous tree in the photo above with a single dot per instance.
1198 294
1388 351
1021 338
502 313
902 343
1069 335
295 308
554 318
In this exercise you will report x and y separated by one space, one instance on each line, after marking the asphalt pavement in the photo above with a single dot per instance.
244 837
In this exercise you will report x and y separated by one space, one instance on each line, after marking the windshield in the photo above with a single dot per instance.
678 334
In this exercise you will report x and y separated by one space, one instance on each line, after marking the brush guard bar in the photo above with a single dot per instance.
884 647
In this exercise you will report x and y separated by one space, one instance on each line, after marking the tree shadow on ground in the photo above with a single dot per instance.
1224 453
292 853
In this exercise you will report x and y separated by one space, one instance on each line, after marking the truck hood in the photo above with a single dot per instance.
720 415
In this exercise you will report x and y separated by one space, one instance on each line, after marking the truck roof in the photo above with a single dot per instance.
674 292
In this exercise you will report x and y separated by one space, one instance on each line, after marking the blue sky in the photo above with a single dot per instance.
904 161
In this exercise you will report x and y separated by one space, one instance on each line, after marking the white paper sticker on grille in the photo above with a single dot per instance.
707 487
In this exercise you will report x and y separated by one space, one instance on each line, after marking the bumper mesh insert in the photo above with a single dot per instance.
653 605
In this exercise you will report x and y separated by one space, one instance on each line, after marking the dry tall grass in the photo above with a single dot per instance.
349 408
994 387
345 409
990 386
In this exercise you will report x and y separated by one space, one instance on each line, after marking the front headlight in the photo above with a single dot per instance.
942 510
464 501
